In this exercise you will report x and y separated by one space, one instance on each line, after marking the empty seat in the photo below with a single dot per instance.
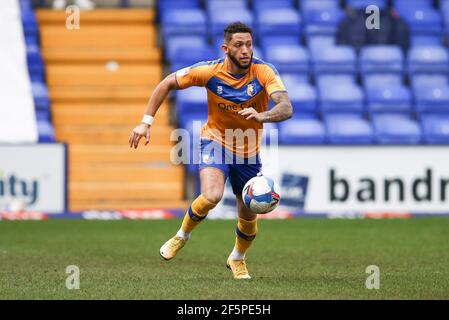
173 43
362 4
319 43
187 56
301 131
219 5
291 59
435 129
35 63
396 129
381 58
40 95
327 80
184 22
294 78
272 21
263 5
342 98
348 129
436 80
428 59
220 20
281 40
304 99
337 59
45 131
168 5
309 5
381 80
191 101
431 99
270 131
383 99
322 21
426 26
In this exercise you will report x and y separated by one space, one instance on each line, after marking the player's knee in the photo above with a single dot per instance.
213 195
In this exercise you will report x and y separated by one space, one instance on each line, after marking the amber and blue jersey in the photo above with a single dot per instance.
227 94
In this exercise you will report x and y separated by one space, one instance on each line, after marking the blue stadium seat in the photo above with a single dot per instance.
184 22
29 23
342 98
327 80
272 40
166 5
348 129
270 131
40 96
262 5
35 64
404 4
45 131
323 21
319 43
310 5
190 122
303 97
428 59
432 99
173 43
219 5
220 20
187 56
291 59
388 99
291 78
192 101
381 59
270 22
435 80
426 26
435 129
396 129
362 4
301 131
337 59
380 80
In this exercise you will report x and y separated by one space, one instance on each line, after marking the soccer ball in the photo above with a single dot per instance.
261 194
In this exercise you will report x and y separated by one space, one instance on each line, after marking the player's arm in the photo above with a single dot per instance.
159 94
283 109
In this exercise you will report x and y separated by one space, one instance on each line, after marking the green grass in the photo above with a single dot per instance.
290 259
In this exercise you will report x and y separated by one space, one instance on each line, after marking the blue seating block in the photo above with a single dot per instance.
387 99
301 131
348 129
396 129
435 129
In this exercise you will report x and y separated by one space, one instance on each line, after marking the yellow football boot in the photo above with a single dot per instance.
171 247
238 268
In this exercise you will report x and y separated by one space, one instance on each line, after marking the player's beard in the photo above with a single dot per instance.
238 64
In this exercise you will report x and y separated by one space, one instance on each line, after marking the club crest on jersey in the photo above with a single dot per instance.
219 90
251 90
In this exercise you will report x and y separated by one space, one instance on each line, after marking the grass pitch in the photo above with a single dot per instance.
290 259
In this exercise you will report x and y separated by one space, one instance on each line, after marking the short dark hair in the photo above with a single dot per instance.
236 27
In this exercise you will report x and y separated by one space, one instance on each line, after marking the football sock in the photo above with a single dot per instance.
197 212
246 232
182 234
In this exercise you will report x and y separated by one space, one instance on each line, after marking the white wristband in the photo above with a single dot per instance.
148 119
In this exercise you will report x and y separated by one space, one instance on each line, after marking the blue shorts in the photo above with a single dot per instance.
238 169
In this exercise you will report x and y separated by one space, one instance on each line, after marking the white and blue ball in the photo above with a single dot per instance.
261 194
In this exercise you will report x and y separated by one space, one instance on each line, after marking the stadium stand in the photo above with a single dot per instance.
378 94
100 77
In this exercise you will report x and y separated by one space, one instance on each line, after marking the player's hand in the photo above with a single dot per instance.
142 130
251 113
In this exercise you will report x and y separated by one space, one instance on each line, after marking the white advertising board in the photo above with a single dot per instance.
33 177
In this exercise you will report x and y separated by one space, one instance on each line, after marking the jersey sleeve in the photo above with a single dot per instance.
272 80
196 75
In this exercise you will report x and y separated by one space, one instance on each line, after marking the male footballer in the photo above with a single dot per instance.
239 87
